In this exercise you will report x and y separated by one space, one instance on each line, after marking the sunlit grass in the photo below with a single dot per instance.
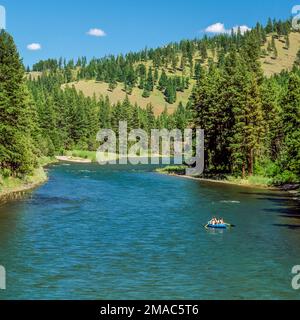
12 184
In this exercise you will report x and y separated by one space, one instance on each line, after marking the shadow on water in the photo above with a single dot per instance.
289 226
286 206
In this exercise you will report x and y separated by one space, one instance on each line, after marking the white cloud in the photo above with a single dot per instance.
216 28
243 29
96 33
34 47
220 28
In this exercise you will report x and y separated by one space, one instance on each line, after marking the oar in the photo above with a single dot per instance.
230 225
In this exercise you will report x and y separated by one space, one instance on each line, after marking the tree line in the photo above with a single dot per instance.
251 121
176 63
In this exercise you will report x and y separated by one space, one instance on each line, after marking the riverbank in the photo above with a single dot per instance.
72 159
10 187
82 156
259 182
236 182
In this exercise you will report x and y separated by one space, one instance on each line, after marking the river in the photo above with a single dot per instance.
123 232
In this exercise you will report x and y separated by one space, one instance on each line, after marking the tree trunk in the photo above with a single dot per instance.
243 171
251 162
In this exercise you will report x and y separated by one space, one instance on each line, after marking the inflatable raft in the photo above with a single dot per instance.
217 226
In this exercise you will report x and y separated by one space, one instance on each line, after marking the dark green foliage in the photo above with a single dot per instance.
17 113
163 81
251 123
170 91
291 129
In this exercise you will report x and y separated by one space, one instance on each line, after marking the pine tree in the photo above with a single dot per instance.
135 122
170 92
69 75
269 47
112 85
287 42
291 119
270 93
181 119
274 49
269 27
149 86
146 93
183 63
198 71
251 52
163 81
174 63
156 76
17 154
248 126
105 117
203 52
141 83
150 117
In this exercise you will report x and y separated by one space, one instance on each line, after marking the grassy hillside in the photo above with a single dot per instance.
157 99
284 61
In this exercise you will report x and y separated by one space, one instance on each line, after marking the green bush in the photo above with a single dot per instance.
286 177
267 168
5 173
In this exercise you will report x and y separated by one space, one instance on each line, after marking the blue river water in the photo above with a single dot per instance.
122 232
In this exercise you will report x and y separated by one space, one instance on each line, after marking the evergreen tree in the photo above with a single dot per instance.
112 85
203 52
163 81
183 63
149 86
269 27
287 42
291 118
170 92
156 75
274 49
17 152
270 93
198 71
248 121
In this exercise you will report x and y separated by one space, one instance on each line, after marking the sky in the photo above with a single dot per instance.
95 28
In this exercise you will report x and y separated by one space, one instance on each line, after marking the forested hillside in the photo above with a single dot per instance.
251 116
166 76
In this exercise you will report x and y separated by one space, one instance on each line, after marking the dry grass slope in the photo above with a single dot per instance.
286 58
284 61
91 87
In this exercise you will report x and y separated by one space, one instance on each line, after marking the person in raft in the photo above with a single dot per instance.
216 221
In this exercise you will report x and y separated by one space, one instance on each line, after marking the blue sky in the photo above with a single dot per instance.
61 27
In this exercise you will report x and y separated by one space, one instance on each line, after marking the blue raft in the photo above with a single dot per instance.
217 226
